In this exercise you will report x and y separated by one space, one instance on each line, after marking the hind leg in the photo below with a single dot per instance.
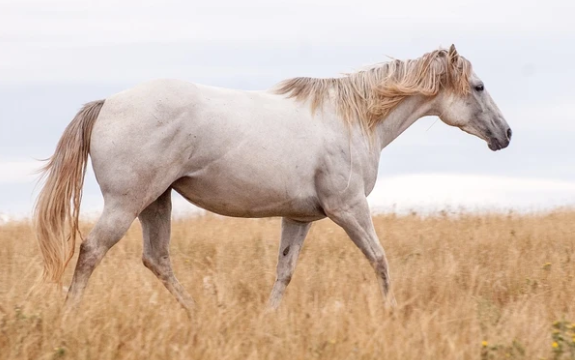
155 220
112 225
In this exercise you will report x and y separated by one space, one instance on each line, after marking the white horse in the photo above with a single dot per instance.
306 150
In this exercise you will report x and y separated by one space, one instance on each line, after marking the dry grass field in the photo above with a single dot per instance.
468 287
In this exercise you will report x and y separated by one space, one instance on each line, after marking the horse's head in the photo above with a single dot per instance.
471 108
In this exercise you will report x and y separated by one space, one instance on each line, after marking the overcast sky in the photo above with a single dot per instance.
57 55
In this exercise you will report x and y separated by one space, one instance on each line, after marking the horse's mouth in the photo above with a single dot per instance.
495 144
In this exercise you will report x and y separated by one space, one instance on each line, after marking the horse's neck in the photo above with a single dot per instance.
404 115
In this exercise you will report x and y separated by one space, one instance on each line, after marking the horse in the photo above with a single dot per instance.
304 150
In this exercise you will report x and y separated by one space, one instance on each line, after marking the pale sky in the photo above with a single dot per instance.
57 55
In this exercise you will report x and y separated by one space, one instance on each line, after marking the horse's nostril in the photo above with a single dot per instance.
509 133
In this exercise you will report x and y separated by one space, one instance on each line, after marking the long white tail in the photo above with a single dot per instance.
58 205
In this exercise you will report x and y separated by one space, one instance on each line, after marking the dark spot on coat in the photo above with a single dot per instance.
286 250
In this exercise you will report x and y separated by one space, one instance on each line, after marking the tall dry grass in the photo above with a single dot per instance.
459 282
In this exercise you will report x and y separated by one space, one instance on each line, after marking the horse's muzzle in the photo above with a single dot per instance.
497 144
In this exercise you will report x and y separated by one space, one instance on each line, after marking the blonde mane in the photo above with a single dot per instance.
369 95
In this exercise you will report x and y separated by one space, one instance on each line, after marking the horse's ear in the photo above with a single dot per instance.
453 55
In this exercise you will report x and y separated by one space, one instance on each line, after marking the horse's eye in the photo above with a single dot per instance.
480 87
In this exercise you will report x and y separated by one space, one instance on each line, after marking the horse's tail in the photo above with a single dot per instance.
58 204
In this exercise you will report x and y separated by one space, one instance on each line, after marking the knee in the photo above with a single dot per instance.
151 265
157 265
147 262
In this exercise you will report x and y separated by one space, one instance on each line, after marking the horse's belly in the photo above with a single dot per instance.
235 197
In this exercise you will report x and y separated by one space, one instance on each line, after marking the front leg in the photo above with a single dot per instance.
355 218
293 234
